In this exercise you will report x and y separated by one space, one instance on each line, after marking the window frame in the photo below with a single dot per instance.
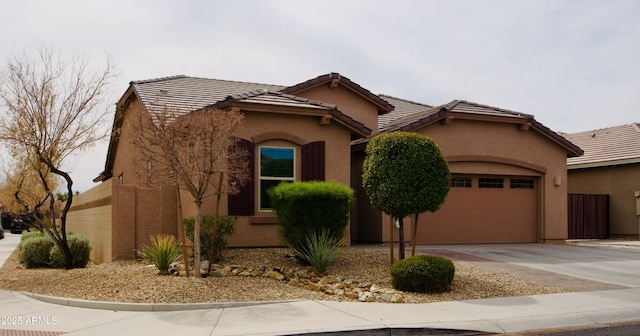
261 178
522 183
461 182
491 183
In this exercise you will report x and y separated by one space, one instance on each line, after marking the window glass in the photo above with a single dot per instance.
277 165
521 184
461 182
489 182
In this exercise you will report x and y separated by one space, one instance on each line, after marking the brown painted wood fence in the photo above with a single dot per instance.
588 216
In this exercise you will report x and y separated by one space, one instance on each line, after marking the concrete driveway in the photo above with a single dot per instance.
600 262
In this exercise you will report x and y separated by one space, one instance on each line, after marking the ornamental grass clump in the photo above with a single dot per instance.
320 251
423 274
161 250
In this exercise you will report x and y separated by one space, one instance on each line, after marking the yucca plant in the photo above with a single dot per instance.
320 250
161 250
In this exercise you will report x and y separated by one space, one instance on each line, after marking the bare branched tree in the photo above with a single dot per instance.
50 111
196 150
21 192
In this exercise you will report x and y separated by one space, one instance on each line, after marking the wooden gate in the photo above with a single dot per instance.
588 216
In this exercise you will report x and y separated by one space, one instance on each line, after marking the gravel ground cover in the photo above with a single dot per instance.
134 281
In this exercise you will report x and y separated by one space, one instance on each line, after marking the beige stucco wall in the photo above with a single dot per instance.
619 182
495 148
90 216
132 224
347 101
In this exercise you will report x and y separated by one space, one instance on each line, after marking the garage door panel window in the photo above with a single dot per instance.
491 183
461 182
521 184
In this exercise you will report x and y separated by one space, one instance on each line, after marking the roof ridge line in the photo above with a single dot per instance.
405 100
522 114
633 124
157 79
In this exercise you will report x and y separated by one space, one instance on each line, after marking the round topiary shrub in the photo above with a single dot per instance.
35 252
423 274
80 252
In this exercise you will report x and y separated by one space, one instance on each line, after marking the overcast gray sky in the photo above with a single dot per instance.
574 64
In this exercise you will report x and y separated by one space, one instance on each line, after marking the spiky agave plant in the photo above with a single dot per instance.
320 250
161 250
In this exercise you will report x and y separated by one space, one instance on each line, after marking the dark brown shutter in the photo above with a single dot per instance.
313 161
242 203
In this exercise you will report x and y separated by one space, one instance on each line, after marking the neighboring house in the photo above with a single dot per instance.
610 166
509 171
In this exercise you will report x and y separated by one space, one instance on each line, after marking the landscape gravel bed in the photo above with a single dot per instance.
134 281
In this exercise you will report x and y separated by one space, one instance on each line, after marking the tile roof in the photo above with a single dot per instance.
190 93
606 147
277 98
403 108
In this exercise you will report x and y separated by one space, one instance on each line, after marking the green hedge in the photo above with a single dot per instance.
36 249
423 274
80 252
226 227
306 208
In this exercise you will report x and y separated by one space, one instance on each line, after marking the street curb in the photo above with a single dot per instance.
144 307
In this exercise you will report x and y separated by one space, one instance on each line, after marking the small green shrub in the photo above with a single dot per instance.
35 252
320 251
28 235
161 250
80 252
307 207
423 274
226 227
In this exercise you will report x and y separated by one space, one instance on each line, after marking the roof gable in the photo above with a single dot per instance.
414 118
335 79
266 98
606 147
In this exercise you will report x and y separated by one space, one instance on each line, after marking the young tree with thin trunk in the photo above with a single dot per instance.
197 149
50 112
403 174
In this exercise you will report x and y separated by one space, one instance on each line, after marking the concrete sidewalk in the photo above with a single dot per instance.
504 315
26 314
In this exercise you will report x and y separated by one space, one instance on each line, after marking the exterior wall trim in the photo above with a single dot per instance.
485 158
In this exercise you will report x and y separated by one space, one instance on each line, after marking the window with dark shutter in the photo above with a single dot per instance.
242 203
313 162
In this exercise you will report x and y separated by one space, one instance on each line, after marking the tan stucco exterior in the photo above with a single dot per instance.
340 113
487 148
620 182
90 217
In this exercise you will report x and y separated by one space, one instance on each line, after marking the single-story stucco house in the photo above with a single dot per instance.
509 176
610 166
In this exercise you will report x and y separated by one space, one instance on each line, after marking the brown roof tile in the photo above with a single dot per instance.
605 147
276 98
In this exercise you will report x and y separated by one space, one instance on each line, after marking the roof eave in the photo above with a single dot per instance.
598 164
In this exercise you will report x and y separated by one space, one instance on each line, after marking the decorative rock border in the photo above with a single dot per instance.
362 291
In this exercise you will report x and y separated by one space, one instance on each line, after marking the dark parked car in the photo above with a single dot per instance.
6 221
17 226
1 233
